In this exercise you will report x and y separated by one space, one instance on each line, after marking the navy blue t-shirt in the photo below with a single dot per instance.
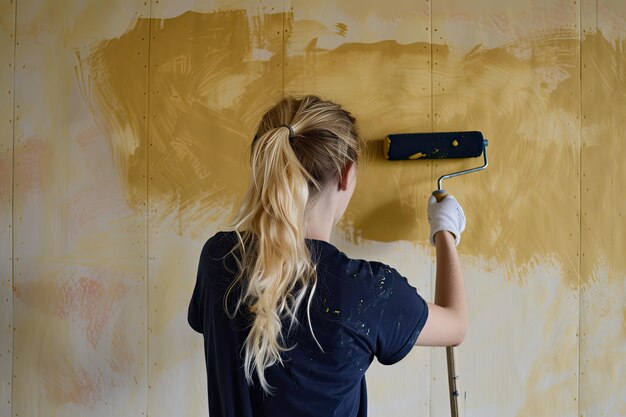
360 310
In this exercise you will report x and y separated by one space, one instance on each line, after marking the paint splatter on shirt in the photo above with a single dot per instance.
361 310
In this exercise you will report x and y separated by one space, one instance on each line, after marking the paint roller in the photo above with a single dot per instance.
440 145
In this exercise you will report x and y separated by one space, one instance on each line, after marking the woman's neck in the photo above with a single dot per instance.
320 218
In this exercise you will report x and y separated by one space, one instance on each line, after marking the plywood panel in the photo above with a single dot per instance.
80 267
603 294
7 50
214 70
374 60
510 70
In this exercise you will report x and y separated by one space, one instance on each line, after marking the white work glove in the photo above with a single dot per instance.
445 215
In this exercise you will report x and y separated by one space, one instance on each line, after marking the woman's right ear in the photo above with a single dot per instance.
348 175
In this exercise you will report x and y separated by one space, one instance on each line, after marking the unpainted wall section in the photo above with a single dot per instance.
79 282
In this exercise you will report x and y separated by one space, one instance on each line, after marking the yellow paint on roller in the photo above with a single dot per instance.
455 143
386 146
417 155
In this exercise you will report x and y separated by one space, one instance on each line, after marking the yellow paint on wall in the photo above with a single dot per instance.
223 102
208 97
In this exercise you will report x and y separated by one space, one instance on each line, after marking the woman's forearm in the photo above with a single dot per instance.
449 286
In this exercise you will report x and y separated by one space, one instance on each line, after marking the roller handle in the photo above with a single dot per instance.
453 382
440 195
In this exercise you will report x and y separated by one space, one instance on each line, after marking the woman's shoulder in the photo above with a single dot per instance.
219 245
373 266
330 259
221 237
356 271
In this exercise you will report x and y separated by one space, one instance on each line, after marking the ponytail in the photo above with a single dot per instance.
275 266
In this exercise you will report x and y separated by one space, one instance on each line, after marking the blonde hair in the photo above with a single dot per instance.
302 144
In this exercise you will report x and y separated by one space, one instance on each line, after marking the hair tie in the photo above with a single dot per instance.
291 133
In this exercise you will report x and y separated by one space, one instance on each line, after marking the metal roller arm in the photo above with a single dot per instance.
467 171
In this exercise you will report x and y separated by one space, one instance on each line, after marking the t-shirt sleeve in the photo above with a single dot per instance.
195 313
402 319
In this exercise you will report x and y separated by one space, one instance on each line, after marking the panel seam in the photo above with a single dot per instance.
13 214
432 125
580 193
284 46
147 211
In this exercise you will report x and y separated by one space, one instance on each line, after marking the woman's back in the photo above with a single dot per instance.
360 310
290 323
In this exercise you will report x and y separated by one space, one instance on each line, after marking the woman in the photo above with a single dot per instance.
291 323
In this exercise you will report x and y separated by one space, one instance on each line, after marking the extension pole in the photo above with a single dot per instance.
453 381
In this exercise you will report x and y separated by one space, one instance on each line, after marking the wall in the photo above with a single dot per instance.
124 129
